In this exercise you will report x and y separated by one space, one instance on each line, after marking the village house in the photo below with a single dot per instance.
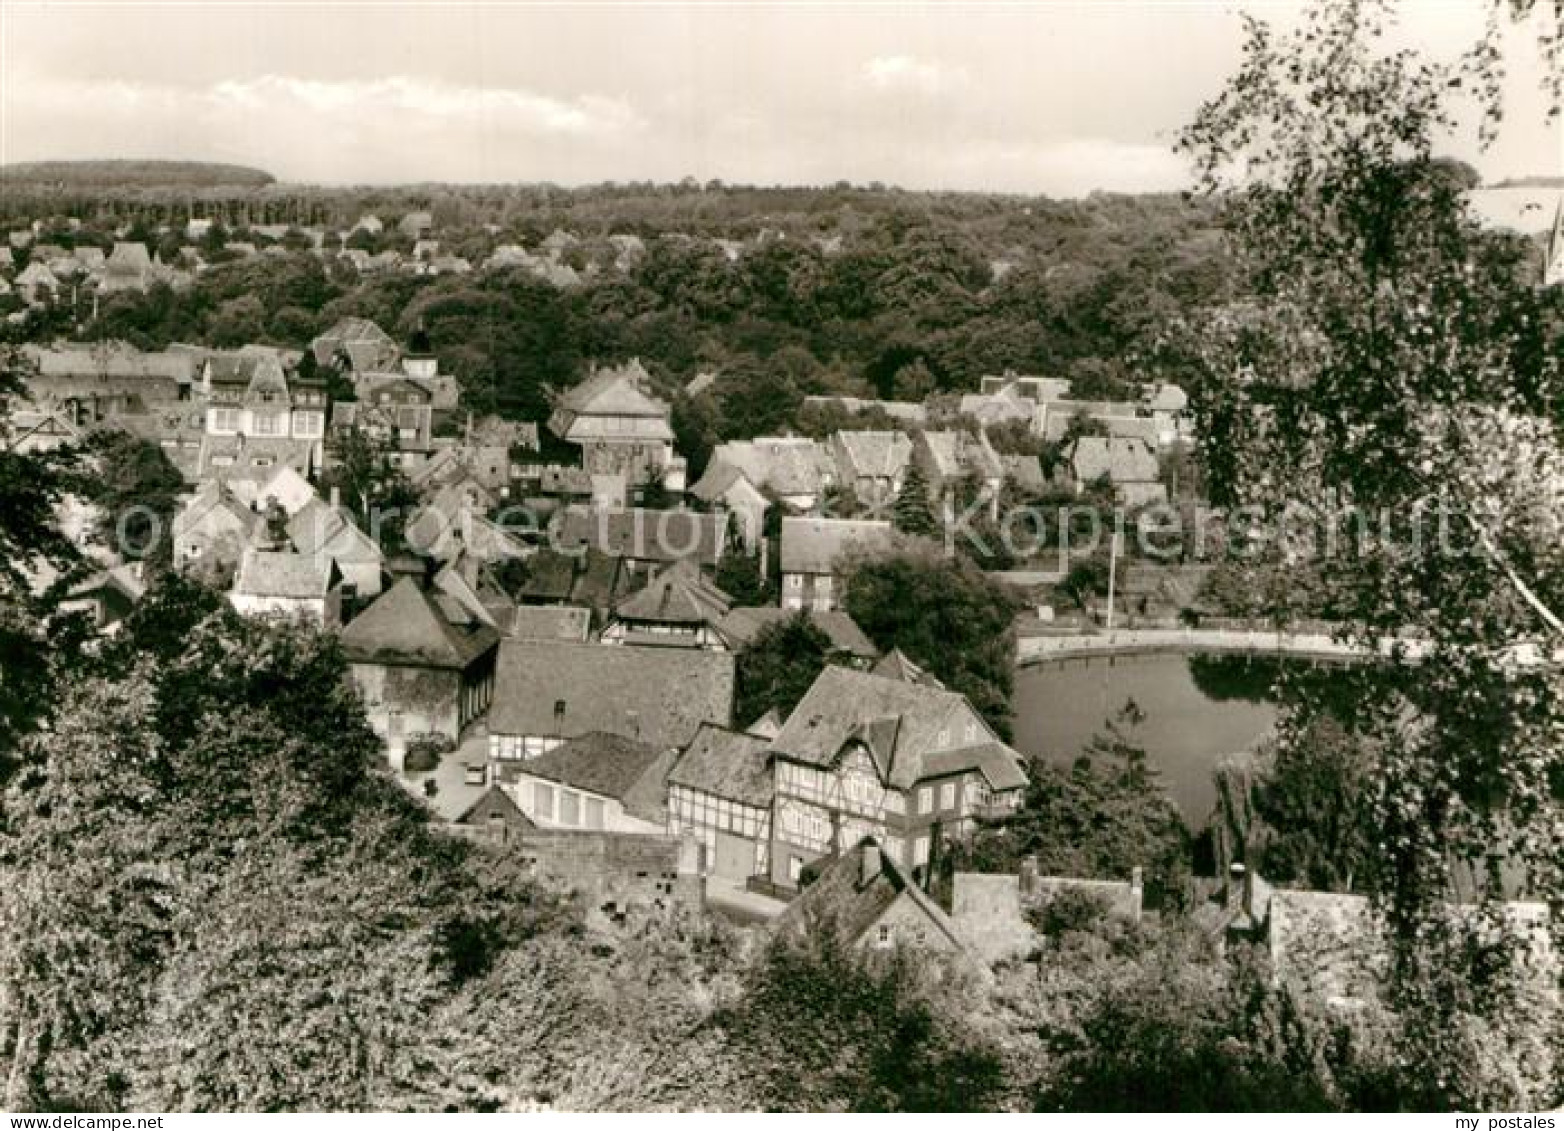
1060 426
327 531
720 792
248 395
416 225
728 489
550 691
42 429
992 911
871 902
677 608
1169 408
1128 466
1006 405
620 427
643 539
904 762
106 596
871 465
423 664
287 489
128 268
356 345
947 458
742 625
394 409
36 284
596 782
288 584
815 552
212 529
471 581
1038 389
102 383
795 470
586 578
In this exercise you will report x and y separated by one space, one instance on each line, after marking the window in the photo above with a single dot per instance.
947 795
309 423
823 583
925 799
882 934
543 800
795 867
225 420
920 851
569 807
269 423
594 813
795 581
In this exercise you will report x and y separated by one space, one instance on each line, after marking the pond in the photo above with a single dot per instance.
1198 710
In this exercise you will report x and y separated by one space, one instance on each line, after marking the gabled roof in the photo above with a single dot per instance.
592 579
895 665
1121 460
839 899
742 625
214 498
611 393
644 534
322 529
873 455
366 345
129 258
282 574
657 695
494 802
912 731
407 627
784 465
816 545
726 763
1123 427
609 765
954 454
676 595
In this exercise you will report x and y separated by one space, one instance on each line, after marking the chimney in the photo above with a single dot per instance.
868 862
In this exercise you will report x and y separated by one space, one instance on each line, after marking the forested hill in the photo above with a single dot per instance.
133 174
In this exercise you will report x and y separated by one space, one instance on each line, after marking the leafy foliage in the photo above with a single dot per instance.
778 665
948 618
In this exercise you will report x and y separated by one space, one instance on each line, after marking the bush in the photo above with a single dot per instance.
424 750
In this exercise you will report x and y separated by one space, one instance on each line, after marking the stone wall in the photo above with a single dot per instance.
614 872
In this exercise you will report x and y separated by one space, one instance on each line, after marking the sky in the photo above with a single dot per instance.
1053 98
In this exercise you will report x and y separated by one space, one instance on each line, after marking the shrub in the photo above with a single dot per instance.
424 750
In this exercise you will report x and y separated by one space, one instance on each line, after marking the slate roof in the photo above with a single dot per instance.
728 764
901 724
255 458
1122 460
366 344
658 695
676 595
620 396
997 408
214 496
407 627
784 465
839 900
895 665
1125 427
320 528
871 455
282 574
129 258
954 454
551 622
609 765
642 534
742 625
815 545
591 579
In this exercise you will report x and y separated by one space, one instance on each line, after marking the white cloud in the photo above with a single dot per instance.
908 73
503 108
